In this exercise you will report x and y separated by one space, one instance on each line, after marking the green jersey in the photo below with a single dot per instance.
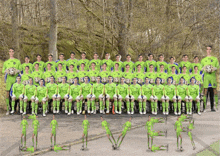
25 77
29 91
47 75
64 64
185 76
187 64
175 78
71 75
41 92
147 90
120 63
75 90
73 62
18 89
152 76
135 90
92 75
81 75
163 77
181 91
52 89
41 66
24 124
105 124
211 60
199 65
123 90
198 78
128 77
130 63
149 126
159 63
170 91
116 76
54 124
98 89
104 76
85 124
97 64
148 63
178 125
191 126
63 89
86 62
33 117
86 89
158 91
127 126
182 118
142 63
169 68
35 124
36 75
30 65
140 77
58 76
154 148
193 91
11 63
53 66
110 89
109 64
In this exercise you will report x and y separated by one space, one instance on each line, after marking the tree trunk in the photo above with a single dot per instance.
53 29
15 37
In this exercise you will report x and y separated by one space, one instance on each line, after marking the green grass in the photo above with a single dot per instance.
205 153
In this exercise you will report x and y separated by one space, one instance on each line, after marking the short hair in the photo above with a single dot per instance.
93 63
117 55
183 55
38 55
83 64
72 53
128 55
209 46
72 65
37 64
151 65
184 66
122 77
195 57
138 65
96 53
195 67
110 76
62 54
98 77
161 65
173 66
59 64
186 55
140 55
18 77
12 49
27 57
117 64
127 65
83 53
52 77
105 64
27 66
50 55
86 76
172 57
150 54
49 64
161 55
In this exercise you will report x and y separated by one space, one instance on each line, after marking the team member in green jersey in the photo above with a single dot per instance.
40 63
149 125
129 62
119 62
105 126
36 75
75 95
198 78
54 126
35 125
59 74
29 95
149 62
186 63
25 76
48 74
194 95
71 75
123 94
98 95
108 62
210 65
174 76
127 75
52 93
84 61
11 68
93 73
27 63
171 64
170 92
140 62
24 125
196 63
87 91
127 127
162 75
135 93
85 126
158 92
96 62
72 61
63 94
170 96
104 74
41 96
190 127
182 92
17 94
139 75
57 148
82 73
62 61
110 90
151 74
28 149
161 62
147 94
185 75
155 148
51 62
178 128
116 74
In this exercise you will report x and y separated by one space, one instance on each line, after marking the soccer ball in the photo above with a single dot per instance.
104 79
48 79
70 81
174 82
127 81
25 82
81 79
93 78
116 79
140 81
198 82
60 79
151 80
12 71
208 68
36 79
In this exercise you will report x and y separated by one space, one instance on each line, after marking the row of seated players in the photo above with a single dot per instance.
99 96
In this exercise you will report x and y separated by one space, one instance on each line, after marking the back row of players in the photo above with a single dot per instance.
112 81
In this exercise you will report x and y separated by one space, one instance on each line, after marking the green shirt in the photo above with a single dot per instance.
210 61
122 89
193 90
187 64
128 77
30 90
104 76
190 126
158 90
63 89
135 90
199 65
148 63
85 124
41 92
149 126
105 125
36 75
18 89
198 77
58 76
147 90
161 63
170 90
81 75
175 78
127 125
109 64
181 90
110 88
52 89
142 66
35 124
97 63
120 63
86 89
131 64
53 66
169 68
25 77
140 77
72 62
162 76
98 89
47 75
86 62
116 76
54 124
92 75
64 64
41 66
152 76
75 90
24 124
185 76
30 65
71 75
178 125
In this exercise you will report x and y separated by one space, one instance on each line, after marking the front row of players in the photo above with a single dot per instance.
100 95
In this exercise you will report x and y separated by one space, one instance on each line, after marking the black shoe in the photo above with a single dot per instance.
213 110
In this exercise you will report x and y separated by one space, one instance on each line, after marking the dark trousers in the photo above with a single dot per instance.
210 94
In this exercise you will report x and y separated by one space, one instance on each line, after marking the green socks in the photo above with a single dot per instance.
107 105
54 105
44 108
175 106
78 106
25 106
132 106
70 105
128 106
198 106
13 105
140 106
116 105
204 101
93 105
33 106
167 106
119 105
66 104
36 108
163 105
58 105
88 105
